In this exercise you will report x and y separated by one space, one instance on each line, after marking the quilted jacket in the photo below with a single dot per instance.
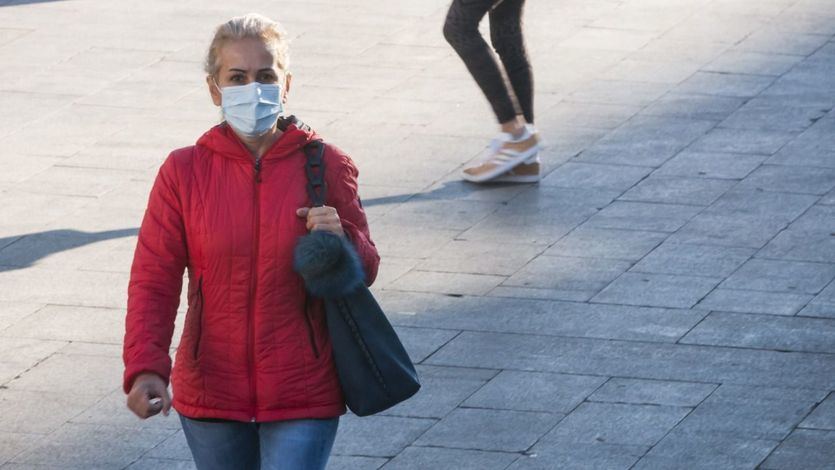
254 345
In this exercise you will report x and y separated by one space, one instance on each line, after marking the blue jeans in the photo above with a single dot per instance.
303 444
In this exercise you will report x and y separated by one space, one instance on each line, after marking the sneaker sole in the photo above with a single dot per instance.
516 179
503 168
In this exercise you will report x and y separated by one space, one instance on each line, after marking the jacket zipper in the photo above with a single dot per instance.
198 310
309 325
254 286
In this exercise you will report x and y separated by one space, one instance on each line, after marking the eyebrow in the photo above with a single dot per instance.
268 69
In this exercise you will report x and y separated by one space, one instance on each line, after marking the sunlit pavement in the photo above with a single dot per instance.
663 299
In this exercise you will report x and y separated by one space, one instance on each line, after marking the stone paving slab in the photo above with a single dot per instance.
162 464
705 451
531 391
643 216
361 436
438 397
822 417
541 228
764 332
12 312
662 299
750 301
342 462
580 456
771 421
635 359
59 373
817 245
53 410
710 165
616 423
568 273
781 276
748 141
729 230
693 106
656 290
773 115
416 458
678 190
811 148
447 283
653 392
754 63
806 180
20 355
94 446
174 447
694 260
553 318
803 448
645 141
596 176
70 324
627 245
12 444
481 257
499 430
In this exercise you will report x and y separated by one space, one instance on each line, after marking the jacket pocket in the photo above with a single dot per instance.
309 324
198 318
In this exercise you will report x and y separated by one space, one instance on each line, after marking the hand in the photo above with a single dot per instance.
322 218
148 387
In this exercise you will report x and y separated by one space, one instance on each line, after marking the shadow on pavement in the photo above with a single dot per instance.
31 247
447 191
11 3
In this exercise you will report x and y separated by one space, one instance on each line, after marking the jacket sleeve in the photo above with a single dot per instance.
344 195
156 279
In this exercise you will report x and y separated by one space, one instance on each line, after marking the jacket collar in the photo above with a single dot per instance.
222 139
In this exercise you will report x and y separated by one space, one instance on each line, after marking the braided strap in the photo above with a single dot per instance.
352 324
317 188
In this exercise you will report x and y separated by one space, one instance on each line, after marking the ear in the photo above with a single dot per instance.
213 90
288 78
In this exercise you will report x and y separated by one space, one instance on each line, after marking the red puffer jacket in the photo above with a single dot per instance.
253 347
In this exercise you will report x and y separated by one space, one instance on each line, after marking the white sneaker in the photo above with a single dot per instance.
525 172
504 154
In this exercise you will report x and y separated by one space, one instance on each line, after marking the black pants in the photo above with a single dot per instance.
461 31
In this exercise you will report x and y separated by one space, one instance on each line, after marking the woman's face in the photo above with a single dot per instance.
245 61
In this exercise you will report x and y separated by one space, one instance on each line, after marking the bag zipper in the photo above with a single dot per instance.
256 221
198 311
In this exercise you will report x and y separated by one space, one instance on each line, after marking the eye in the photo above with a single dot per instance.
267 77
237 78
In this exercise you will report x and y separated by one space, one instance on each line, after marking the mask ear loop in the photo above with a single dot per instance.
214 80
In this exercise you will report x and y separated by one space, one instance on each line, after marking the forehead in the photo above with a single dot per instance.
246 54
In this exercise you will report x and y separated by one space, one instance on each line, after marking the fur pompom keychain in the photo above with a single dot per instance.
329 264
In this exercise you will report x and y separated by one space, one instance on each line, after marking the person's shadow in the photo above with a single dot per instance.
450 190
11 3
22 251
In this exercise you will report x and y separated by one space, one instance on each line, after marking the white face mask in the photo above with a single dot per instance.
252 109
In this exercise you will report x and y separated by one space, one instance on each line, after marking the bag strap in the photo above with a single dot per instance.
317 188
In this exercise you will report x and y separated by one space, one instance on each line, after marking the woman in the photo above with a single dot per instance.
512 156
253 381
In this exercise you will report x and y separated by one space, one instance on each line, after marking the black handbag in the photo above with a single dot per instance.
374 369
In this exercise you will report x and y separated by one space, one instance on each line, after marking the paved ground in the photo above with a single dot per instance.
664 299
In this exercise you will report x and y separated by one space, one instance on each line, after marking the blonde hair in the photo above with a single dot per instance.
252 25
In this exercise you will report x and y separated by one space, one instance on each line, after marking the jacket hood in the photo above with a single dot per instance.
222 140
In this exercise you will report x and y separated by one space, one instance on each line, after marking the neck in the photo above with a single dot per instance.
257 146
